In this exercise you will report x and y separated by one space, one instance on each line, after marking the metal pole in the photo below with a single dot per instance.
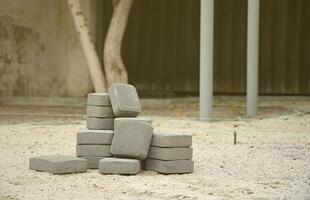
252 57
206 59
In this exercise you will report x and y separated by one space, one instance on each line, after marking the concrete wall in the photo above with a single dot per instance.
40 54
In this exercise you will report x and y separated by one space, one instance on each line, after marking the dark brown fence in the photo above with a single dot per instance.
161 46
285 47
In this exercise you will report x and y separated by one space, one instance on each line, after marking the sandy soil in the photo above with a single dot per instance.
270 161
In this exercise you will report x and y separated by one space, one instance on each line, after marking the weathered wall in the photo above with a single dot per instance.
40 54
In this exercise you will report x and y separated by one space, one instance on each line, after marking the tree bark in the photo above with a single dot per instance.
93 63
114 67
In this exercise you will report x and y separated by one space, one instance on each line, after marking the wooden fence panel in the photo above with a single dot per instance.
285 47
161 46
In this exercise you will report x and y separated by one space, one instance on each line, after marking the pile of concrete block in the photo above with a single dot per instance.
94 143
99 112
170 153
117 142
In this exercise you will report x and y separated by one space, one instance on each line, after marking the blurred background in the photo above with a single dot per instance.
41 56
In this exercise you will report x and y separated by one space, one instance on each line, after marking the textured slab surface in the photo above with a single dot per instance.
170 167
170 139
93 150
93 162
125 101
99 111
94 136
58 164
131 139
98 99
100 123
126 119
119 166
174 153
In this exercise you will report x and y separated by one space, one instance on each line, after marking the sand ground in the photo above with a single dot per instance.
270 161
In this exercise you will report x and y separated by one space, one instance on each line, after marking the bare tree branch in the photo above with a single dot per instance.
93 63
113 63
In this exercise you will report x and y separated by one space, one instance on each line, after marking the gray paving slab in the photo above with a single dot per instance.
84 150
94 136
171 139
131 139
124 99
141 119
170 167
58 164
98 99
100 123
93 162
99 111
174 153
119 166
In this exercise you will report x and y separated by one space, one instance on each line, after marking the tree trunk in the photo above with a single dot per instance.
114 67
93 63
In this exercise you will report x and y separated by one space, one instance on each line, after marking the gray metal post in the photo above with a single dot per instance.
252 57
206 59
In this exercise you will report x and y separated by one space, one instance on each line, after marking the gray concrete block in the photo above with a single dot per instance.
58 164
119 166
170 167
124 99
131 139
98 99
84 150
100 123
99 111
170 139
93 162
140 119
94 137
174 153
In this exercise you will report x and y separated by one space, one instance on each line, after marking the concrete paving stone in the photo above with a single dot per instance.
131 139
94 136
98 99
141 119
84 150
171 139
124 99
174 153
170 167
99 111
93 162
119 166
100 123
58 164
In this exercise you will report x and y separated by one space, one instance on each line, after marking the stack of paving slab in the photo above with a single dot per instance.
99 112
117 142
170 153
94 143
